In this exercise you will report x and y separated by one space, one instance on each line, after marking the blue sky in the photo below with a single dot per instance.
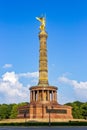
66 25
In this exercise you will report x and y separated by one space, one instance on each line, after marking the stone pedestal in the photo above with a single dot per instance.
45 102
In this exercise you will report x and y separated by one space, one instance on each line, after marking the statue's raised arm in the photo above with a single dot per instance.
43 23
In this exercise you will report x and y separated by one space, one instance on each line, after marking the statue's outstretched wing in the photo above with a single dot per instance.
39 19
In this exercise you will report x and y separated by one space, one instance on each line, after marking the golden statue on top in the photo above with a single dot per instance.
43 23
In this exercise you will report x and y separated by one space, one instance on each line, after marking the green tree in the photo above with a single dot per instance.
76 109
4 114
23 104
84 110
14 111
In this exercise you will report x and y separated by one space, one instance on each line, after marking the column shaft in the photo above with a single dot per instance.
43 69
33 95
30 96
52 96
37 95
42 95
48 95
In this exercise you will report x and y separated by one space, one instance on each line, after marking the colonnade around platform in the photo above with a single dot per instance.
43 95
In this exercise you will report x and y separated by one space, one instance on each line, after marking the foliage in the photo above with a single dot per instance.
4 111
14 111
84 110
79 109
10 111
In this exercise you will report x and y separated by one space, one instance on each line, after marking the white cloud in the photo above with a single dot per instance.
10 77
12 90
74 83
29 75
7 66
79 87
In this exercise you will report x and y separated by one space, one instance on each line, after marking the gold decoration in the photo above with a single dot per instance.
43 23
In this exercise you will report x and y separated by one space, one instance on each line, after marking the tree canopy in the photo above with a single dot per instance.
79 109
